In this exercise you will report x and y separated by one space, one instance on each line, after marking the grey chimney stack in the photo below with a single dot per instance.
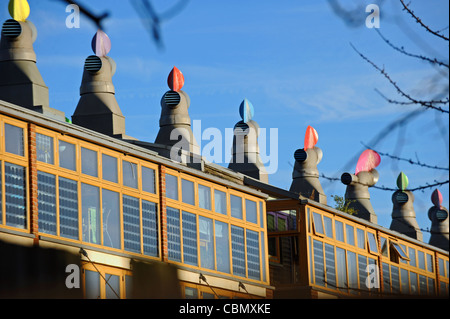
174 123
357 194
439 222
403 214
305 177
245 151
20 80
97 108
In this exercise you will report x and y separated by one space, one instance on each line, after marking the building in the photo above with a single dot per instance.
155 220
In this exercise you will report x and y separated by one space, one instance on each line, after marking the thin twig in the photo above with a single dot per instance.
419 21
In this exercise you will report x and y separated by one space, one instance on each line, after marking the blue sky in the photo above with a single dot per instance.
291 59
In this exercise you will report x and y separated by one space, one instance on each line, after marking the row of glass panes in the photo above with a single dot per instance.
15 195
443 267
14 140
407 255
105 215
204 242
323 225
204 196
89 163
337 268
401 281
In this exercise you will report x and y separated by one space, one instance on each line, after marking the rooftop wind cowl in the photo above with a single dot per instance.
438 215
174 123
305 177
20 80
357 194
97 108
403 214
245 151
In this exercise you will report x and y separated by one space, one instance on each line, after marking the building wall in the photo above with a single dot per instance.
61 189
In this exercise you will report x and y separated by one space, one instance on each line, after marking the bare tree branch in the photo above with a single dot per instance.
410 161
427 104
419 21
98 20
402 50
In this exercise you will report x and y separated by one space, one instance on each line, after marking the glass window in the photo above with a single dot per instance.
421 258
386 278
89 162
68 208
412 256
339 228
92 284
404 281
190 239
109 168
328 223
319 267
236 206
148 180
14 139
111 219
352 271
423 285
15 196
238 250
399 250
413 280
129 174
373 276
441 267
187 192
270 221
261 214
190 293
128 287
330 266
430 263
206 242
341 268
350 233
44 148
253 255
263 255
362 267
67 155
318 225
446 267
47 203
222 247
173 234
220 202
431 287
361 238
281 222
204 197
171 187
250 211
131 224
373 247
395 279
384 246
150 228
90 203
112 286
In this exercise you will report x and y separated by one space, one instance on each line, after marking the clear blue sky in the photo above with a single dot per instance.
291 59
